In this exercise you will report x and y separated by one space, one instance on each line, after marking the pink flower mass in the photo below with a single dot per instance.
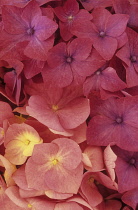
69 104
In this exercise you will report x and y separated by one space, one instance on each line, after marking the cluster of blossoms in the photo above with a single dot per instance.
69 104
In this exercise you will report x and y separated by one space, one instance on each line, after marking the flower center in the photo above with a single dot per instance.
30 31
29 205
55 162
102 34
55 107
119 120
133 58
132 161
26 142
70 17
90 180
69 59
98 72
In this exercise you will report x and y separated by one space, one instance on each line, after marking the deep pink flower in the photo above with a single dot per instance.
131 198
72 62
32 67
103 31
126 167
115 122
129 55
104 79
90 4
69 15
22 3
127 7
29 26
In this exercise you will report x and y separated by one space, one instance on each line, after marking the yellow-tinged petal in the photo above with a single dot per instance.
21 147
9 170
14 152
28 136
29 148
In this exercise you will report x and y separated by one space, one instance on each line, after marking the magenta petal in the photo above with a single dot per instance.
82 16
37 49
126 174
110 80
60 76
60 14
44 27
71 6
13 22
57 54
30 11
131 198
100 20
106 46
105 128
101 131
131 76
116 25
124 54
65 31
82 68
32 67
80 49
84 30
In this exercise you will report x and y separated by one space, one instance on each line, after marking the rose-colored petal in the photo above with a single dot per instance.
68 206
116 25
106 46
39 109
70 152
90 190
74 113
66 181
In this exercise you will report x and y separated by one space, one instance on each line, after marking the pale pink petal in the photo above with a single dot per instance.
109 159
